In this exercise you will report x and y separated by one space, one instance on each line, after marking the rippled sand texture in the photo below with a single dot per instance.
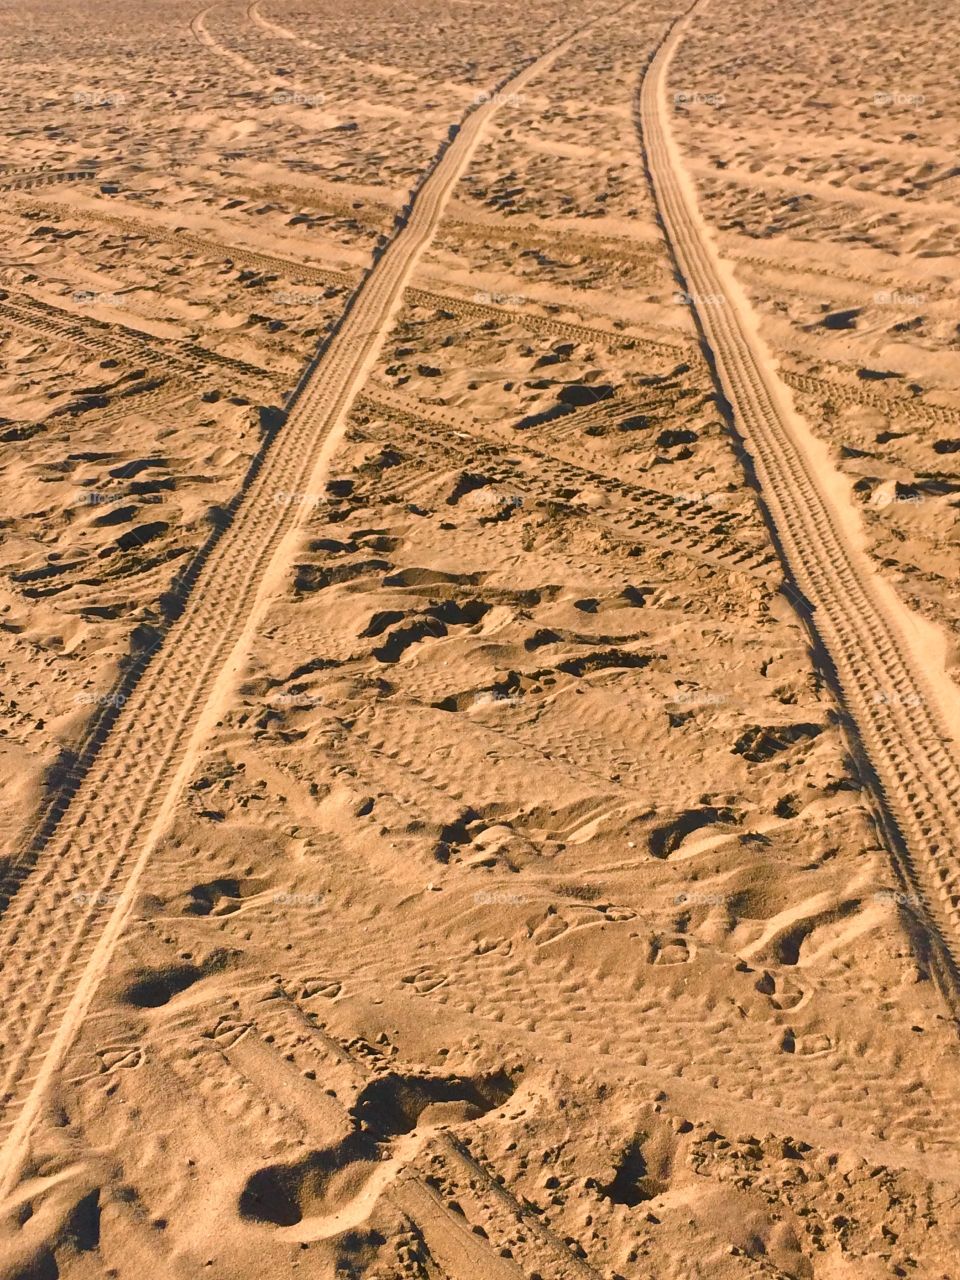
480 641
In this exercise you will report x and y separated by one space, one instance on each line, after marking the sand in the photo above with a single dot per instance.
480 646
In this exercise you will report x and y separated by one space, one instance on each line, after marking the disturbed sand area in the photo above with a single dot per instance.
513 895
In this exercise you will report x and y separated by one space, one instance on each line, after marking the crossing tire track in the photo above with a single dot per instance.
664 519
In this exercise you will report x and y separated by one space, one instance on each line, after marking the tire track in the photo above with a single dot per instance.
897 705
466 308
198 27
136 345
897 406
18 180
280 33
675 522
58 935
189 242
470 310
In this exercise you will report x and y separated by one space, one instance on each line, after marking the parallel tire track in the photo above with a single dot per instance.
202 35
58 933
899 719
192 243
138 346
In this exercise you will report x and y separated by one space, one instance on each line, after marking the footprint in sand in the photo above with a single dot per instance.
552 926
327 988
424 981
671 950
781 990
120 1057
334 1188
228 1032
485 946
618 915
813 1046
